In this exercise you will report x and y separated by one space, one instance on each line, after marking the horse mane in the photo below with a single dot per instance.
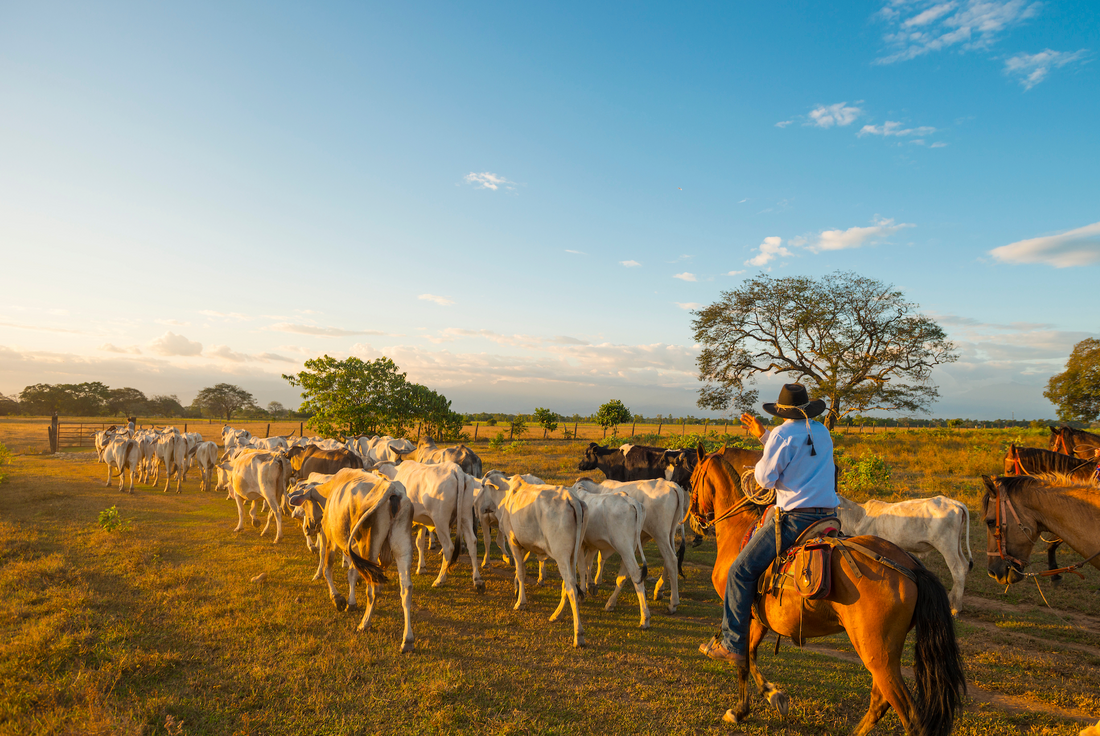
1052 481
752 507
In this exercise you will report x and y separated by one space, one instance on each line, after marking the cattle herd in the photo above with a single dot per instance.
360 501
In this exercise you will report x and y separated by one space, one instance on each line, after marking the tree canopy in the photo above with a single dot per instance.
612 414
547 419
356 397
72 399
1076 390
852 340
224 399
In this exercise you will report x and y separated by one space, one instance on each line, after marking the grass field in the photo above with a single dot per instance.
119 632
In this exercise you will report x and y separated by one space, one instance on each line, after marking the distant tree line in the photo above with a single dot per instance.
96 399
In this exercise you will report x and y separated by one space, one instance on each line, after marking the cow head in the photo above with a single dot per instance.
592 455
307 505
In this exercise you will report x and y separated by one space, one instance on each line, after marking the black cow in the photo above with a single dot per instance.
637 463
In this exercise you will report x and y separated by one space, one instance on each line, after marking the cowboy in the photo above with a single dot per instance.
798 464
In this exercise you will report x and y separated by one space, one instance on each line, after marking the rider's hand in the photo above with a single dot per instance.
753 425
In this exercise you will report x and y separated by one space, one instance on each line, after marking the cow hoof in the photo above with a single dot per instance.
352 607
340 602
407 647
671 608
578 643
521 607
644 625
361 627
480 587
731 717
780 701
592 590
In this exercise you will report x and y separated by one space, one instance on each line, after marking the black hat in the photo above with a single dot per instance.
794 403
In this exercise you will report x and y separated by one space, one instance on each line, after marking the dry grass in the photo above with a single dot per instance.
117 632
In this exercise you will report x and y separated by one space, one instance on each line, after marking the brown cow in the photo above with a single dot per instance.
312 459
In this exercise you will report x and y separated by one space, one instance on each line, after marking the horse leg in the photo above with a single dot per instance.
776 697
878 709
880 648
1052 560
743 704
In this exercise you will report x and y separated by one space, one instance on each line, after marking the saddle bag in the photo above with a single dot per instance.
810 570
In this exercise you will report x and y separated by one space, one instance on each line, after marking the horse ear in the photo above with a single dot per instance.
1053 429
990 484
700 452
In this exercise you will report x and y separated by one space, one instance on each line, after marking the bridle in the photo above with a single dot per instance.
701 521
1017 465
1060 442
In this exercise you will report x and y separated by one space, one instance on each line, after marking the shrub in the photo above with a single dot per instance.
498 442
869 473
111 520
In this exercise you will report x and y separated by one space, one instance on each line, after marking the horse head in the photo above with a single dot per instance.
1010 536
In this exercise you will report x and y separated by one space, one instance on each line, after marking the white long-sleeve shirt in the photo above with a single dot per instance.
800 480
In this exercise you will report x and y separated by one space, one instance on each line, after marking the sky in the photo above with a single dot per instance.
521 204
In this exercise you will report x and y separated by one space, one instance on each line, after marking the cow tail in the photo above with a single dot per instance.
580 510
639 522
371 571
965 534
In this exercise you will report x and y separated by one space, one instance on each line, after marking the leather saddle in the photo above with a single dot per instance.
804 567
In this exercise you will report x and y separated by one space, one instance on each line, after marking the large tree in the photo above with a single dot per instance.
126 402
72 399
1076 390
612 414
853 341
224 399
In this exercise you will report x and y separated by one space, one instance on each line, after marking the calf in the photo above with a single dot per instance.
665 506
918 526
369 520
205 455
550 521
485 510
257 476
428 452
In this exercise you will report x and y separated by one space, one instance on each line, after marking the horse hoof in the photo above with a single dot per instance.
780 701
731 717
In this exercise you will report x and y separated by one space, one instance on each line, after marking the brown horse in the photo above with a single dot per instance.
1076 442
1018 509
876 606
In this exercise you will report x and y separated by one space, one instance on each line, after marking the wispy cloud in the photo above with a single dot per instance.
488 180
630 264
783 123
440 300
923 27
736 273
688 305
576 252
770 249
938 144
318 330
685 276
172 344
894 128
826 116
1030 69
1079 247
855 237
451 334
109 348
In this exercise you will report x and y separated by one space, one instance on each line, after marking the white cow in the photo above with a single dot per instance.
255 476
369 520
615 522
172 451
235 437
205 455
439 493
665 505
270 443
549 521
102 439
918 526
485 510
122 453
147 442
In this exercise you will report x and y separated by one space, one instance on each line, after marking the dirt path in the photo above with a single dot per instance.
1082 620
1008 703
994 629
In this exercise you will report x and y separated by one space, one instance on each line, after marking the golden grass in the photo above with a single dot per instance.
115 632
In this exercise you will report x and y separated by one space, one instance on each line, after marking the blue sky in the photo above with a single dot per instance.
521 204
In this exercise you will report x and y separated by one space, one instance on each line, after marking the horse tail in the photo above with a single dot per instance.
937 665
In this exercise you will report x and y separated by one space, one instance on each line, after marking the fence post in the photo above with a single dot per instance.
632 426
683 428
475 431
300 430
575 431
266 434
53 434
706 423
659 425
511 428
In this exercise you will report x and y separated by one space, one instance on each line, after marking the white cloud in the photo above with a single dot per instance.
487 180
736 273
109 348
1079 247
450 334
1030 69
938 145
893 128
826 116
685 276
172 344
688 305
855 237
630 264
770 249
223 352
934 26
298 329
783 123
440 300
576 252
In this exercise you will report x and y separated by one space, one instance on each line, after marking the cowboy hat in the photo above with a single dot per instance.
794 403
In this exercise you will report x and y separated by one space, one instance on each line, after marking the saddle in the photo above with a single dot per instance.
804 567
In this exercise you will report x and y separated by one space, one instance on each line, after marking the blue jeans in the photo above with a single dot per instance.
750 564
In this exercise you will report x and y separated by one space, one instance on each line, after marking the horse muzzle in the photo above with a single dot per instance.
1005 573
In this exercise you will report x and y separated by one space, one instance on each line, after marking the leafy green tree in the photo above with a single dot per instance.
224 399
519 427
611 415
546 419
433 411
1076 390
168 405
853 341
354 396
125 402
72 399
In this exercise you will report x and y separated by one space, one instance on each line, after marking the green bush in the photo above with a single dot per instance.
111 520
868 474
497 442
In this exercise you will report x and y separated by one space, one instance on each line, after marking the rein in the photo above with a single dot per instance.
1001 531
